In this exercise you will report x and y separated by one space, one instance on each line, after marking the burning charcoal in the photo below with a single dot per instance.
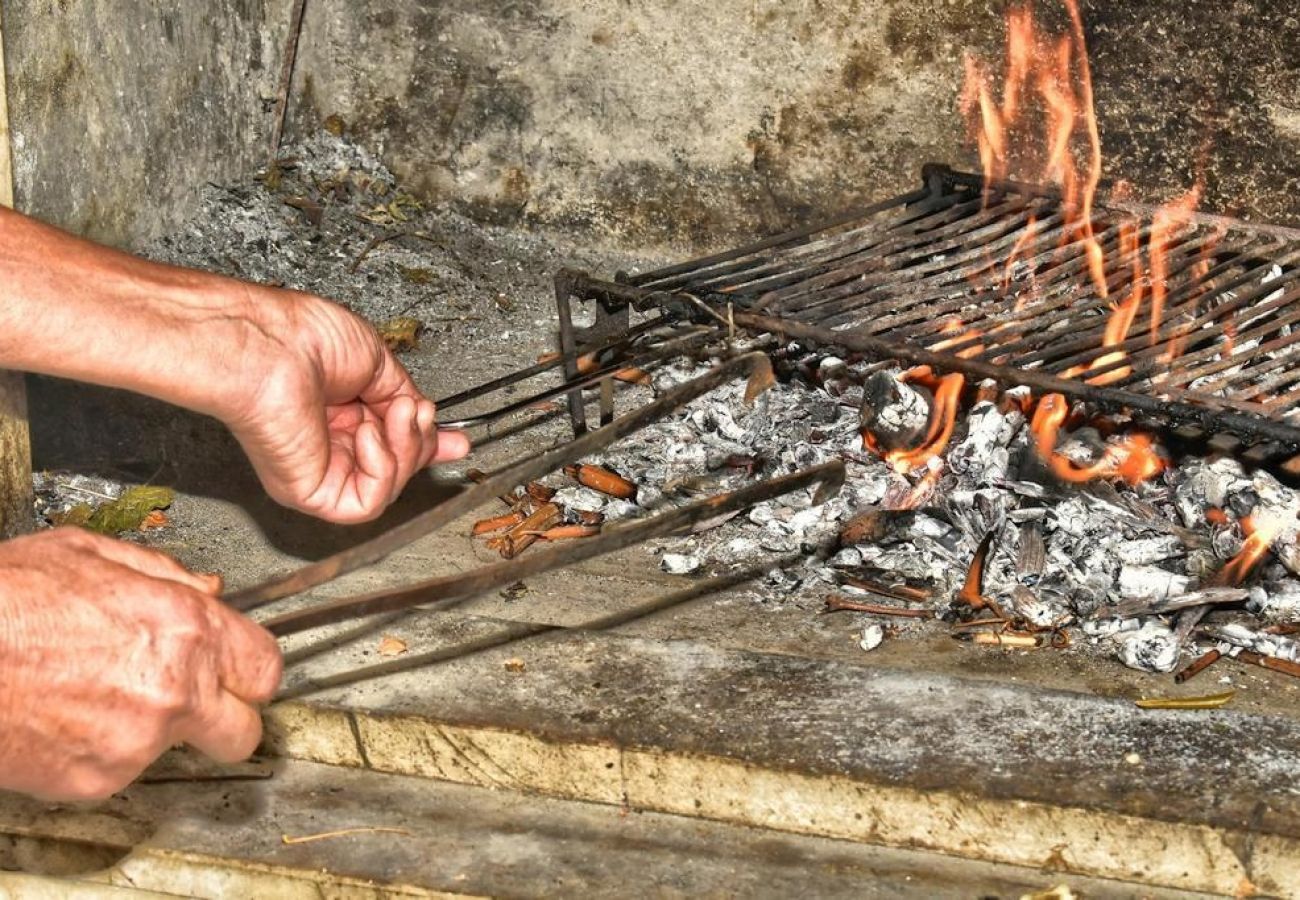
894 415
873 635
1153 606
982 455
1150 582
1033 609
1152 648
1278 603
1109 627
847 558
1031 557
1145 551
1205 485
1274 645
621 509
580 498
679 563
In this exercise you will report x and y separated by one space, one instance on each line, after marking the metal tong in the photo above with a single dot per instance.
448 589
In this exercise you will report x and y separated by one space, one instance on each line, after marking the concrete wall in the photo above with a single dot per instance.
697 123
121 110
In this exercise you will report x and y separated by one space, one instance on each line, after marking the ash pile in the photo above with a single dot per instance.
1188 561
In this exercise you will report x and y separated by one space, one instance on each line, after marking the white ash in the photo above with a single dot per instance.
1277 603
680 563
1151 648
873 635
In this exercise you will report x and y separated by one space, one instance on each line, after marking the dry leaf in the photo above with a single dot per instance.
391 646
416 274
402 333
514 664
335 125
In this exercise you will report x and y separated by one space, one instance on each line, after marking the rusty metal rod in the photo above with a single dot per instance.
828 476
375 549
1110 398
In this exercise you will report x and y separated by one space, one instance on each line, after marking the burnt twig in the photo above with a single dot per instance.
837 603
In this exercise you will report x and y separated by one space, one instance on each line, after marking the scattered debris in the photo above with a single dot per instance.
392 646
401 333
138 508
873 634
343 832
1210 701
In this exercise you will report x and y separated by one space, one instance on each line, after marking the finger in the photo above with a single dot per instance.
426 421
452 445
249 662
224 728
401 430
153 563
376 471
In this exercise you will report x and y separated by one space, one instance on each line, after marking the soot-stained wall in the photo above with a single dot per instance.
698 123
121 110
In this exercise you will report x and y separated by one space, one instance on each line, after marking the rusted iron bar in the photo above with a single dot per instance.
1197 666
1269 662
375 549
1106 398
828 477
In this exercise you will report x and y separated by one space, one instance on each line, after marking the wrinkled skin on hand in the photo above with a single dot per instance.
332 422
113 653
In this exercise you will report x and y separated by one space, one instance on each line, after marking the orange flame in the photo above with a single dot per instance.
1259 538
947 391
1055 72
1132 458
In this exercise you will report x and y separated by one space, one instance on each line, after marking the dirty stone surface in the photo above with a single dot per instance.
470 841
119 112
638 123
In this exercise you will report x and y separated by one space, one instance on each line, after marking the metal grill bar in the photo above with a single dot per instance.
1002 267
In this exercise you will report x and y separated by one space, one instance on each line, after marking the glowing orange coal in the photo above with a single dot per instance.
1132 458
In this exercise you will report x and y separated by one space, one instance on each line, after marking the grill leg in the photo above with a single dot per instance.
569 349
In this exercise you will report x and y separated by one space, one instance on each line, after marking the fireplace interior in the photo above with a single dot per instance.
940 539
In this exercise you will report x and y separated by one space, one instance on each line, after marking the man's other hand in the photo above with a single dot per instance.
332 422
111 653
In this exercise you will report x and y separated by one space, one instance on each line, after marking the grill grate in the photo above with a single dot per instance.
991 280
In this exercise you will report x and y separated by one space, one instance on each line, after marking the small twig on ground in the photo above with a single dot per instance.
342 832
836 603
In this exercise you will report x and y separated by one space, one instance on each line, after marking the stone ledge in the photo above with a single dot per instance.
971 768
224 839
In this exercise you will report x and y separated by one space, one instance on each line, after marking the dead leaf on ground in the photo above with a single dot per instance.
402 333
127 513
416 274
514 591
515 664
335 125
392 646
312 211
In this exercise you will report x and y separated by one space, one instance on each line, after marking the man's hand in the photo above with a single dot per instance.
109 654
331 420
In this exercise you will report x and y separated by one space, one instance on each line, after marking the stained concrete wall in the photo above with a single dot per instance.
698 123
121 110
